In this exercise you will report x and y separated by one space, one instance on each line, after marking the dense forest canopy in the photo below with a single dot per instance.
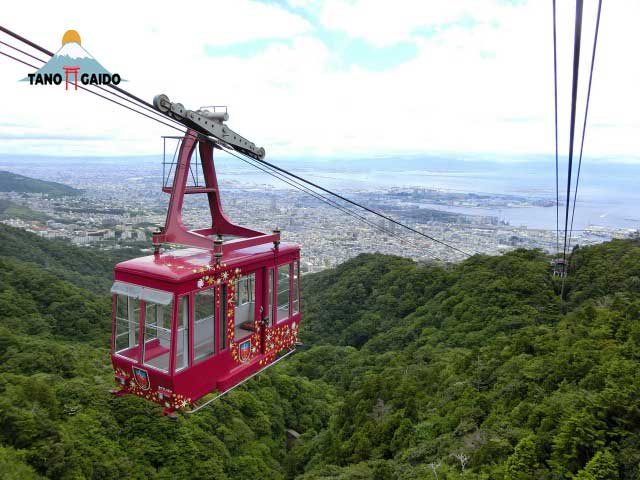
476 370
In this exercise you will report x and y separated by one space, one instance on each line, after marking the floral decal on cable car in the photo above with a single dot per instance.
162 396
218 274
254 340
277 339
215 274
142 378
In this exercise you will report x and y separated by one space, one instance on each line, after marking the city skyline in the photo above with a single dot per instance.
123 203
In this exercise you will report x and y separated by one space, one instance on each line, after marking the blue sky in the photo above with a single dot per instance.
338 78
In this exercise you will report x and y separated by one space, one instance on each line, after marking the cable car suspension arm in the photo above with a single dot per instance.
210 123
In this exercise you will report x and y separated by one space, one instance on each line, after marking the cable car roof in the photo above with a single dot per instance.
177 266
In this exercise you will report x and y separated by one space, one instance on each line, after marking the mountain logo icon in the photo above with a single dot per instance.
72 63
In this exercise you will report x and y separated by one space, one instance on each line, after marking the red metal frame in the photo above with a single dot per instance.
174 332
175 230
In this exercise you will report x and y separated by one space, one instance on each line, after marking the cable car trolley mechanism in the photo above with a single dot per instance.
205 318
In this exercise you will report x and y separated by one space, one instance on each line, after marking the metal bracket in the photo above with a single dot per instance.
209 123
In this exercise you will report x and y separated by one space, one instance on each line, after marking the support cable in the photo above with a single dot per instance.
364 207
121 97
555 96
584 125
299 186
574 95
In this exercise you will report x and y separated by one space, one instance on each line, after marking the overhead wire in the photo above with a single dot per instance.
586 112
299 186
574 96
364 207
555 96
273 167
152 110
21 51
99 95
50 53
323 199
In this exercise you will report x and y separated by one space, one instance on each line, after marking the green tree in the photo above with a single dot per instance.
14 467
523 461
603 466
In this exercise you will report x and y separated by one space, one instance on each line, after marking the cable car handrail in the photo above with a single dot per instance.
200 407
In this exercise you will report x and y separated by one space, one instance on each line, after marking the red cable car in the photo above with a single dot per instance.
193 321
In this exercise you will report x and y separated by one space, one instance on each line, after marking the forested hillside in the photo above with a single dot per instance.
474 371
88 268
478 368
12 182
9 210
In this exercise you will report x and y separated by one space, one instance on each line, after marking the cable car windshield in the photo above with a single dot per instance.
156 336
127 327
245 305
150 309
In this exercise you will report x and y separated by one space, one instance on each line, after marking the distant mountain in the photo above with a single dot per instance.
12 182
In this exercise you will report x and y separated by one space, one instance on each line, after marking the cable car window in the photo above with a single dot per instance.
283 291
182 335
296 288
204 324
223 317
127 327
270 298
245 289
157 335
142 293
245 306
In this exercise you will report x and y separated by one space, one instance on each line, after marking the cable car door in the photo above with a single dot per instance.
262 306
266 309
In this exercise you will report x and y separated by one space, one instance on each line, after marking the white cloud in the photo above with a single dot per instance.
457 94
385 23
